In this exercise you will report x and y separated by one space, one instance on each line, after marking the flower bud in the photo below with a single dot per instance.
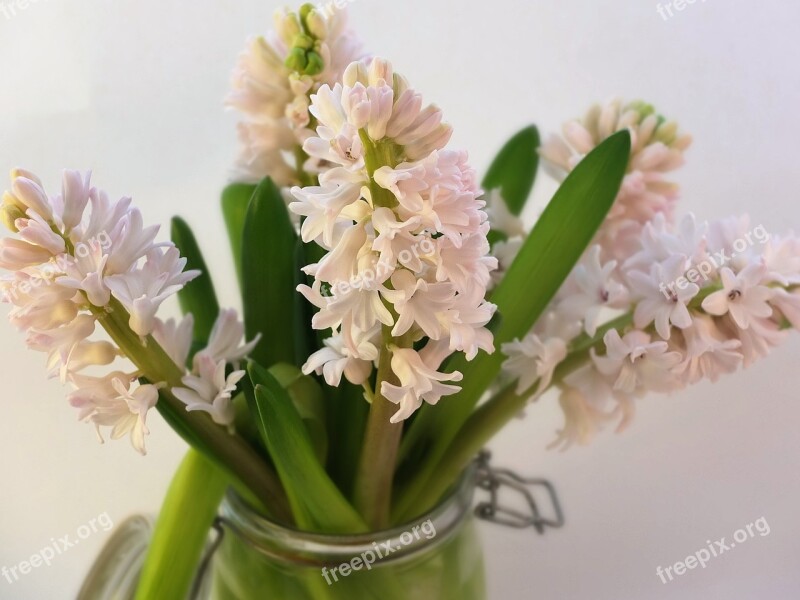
667 132
27 193
399 84
10 199
315 24
315 64
286 25
301 40
644 109
296 60
18 172
380 69
356 72
9 213
306 10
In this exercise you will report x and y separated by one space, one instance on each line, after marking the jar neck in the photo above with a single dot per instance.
294 547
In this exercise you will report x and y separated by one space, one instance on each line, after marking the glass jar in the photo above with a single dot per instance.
436 557
116 570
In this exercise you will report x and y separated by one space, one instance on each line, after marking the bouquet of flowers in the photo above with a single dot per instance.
397 313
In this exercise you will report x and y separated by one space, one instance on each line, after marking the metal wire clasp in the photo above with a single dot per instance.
200 579
494 480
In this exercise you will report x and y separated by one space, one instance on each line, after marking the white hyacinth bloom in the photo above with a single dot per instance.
635 363
271 85
533 359
78 252
418 382
406 238
210 390
742 295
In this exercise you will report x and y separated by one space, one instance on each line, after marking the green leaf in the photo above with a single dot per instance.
268 247
348 412
550 252
307 339
252 478
310 402
513 170
181 531
560 237
235 199
198 297
317 504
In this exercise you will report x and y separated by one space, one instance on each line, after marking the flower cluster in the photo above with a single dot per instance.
657 148
80 258
210 384
676 304
272 83
395 198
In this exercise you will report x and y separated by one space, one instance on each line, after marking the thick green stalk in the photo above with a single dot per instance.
228 450
376 467
488 420
495 414
378 461
484 423
379 154
182 528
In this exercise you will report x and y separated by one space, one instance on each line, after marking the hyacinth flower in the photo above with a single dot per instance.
271 89
685 302
80 263
655 303
406 263
397 312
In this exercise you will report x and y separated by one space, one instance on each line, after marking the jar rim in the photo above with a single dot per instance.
293 546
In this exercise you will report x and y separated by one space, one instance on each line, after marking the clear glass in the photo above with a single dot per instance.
116 570
436 557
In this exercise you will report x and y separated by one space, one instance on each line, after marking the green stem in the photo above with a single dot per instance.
486 421
482 426
181 531
378 461
585 341
228 450
379 154
376 467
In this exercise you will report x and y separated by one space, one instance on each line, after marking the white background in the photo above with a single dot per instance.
133 90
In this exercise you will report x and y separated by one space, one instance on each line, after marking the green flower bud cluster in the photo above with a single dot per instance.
666 131
304 56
